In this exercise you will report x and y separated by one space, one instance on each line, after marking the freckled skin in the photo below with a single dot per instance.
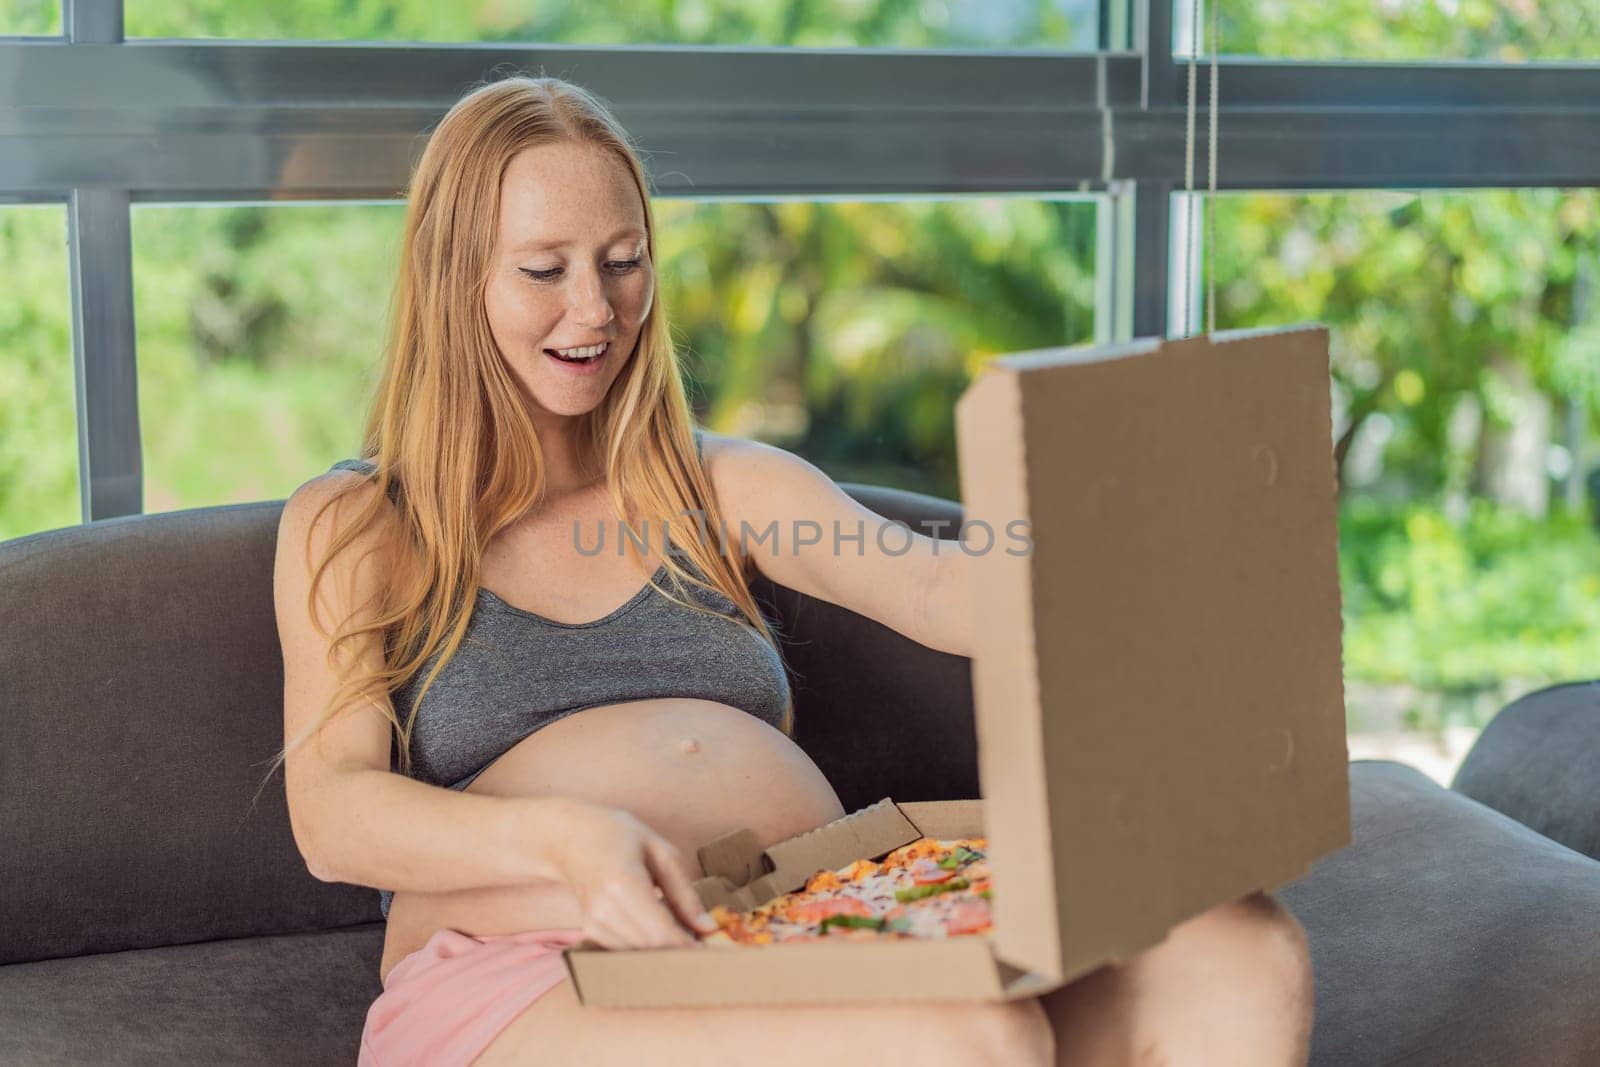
591 299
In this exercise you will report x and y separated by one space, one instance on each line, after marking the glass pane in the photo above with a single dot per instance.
1054 25
843 331
30 18
38 410
1507 31
259 329
1466 378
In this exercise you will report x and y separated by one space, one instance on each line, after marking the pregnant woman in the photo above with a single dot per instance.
571 724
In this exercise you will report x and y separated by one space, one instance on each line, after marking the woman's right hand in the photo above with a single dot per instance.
629 882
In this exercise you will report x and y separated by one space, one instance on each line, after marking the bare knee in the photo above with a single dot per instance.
1004 1033
1274 941
1261 941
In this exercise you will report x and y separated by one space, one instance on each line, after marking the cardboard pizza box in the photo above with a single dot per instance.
1159 690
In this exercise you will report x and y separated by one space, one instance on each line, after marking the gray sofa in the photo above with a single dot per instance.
154 909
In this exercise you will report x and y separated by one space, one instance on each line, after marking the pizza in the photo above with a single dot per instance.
927 889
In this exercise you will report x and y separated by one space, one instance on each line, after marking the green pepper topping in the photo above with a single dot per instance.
961 855
863 922
917 892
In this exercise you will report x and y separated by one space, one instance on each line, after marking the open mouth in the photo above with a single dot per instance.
580 356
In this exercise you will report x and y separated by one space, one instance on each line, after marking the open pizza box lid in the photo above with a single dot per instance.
1158 686
1159 692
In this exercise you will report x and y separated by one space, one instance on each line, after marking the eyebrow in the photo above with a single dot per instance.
535 246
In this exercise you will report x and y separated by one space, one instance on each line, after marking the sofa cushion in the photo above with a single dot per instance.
143 703
1538 761
298 998
1447 933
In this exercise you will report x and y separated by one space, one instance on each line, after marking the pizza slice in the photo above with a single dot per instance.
929 888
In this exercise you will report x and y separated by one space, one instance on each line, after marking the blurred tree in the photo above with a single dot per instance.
1442 304
38 418
1507 31
800 23
1435 299
30 18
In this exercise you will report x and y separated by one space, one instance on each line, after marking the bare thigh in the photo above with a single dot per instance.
556 1029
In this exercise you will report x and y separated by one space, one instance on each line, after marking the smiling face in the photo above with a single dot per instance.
570 268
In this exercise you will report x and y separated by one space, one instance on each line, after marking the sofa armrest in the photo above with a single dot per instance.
1538 761
1448 933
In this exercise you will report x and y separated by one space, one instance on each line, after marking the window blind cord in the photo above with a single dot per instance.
1211 198
1189 225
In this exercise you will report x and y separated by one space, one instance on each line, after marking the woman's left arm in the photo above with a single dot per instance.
804 532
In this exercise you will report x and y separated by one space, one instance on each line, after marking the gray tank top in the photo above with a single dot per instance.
517 672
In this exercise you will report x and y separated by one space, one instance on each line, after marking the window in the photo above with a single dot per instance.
1506 31
1466 374
1009 24
30 18
259 329
845 331
39 445
839 309
841 330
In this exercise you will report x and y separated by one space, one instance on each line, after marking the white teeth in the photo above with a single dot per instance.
581 353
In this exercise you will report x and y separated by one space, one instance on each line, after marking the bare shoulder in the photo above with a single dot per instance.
320 511
772 496
751 477
741 472
323 505
714 446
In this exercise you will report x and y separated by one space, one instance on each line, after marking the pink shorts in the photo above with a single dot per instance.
446 1002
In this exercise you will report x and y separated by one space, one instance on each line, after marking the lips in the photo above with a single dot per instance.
581 368
589 352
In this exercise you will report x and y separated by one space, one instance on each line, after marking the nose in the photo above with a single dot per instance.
590 306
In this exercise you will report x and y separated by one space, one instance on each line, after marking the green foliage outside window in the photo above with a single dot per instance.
1499 604
845 331
1018 24
1506 31
30 18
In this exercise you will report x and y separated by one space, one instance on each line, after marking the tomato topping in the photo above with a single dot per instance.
814 911
969 917
926 872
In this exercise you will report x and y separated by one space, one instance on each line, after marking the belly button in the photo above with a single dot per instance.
689 745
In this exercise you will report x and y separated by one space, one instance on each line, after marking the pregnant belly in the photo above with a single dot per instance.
690 769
